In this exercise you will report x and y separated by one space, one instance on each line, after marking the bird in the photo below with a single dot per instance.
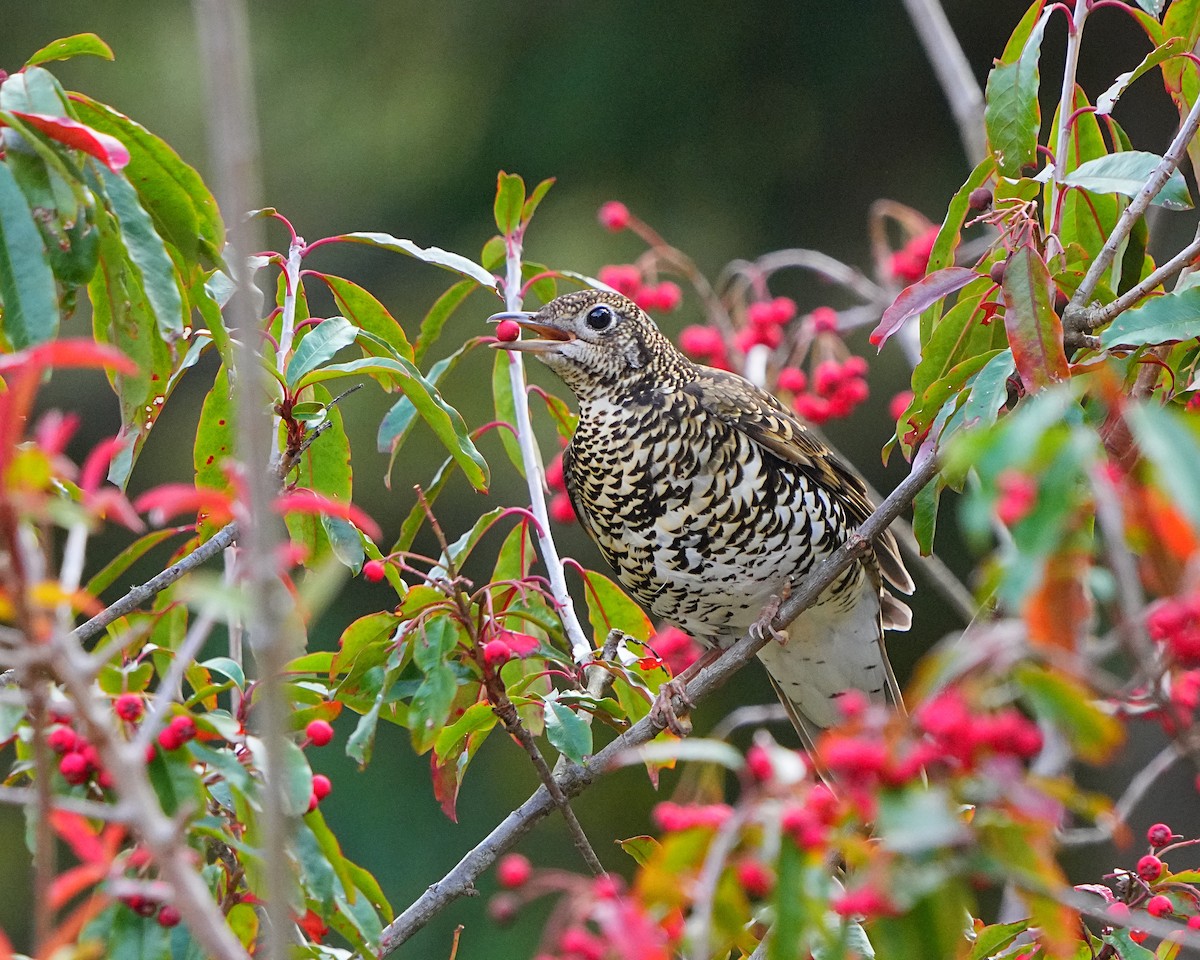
709 497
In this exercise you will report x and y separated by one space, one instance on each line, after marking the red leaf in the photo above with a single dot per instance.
66 886
79 836
171 499
1033 328
916 298
306 501
69 353
445 784
107 149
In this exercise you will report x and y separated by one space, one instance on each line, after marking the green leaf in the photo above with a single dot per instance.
81 44
117 566
925 511
439 313
361 308
1152 7
434 255
989 391
477 717
345 541
318 345
506 410
446 422
148 253
931 927
1126 173
510 198
184 211
569 733
1012 115
1092 733
227 668
1174 47
324 468
398 421
1170 318
27 288
609 608
994 938
1124 946
214 445
535 198
641 848
430 706
1034 329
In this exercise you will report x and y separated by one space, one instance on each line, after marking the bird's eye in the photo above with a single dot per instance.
599 318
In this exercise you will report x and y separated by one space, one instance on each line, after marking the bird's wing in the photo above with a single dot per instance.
770 424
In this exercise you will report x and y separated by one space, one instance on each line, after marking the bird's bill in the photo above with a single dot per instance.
546 337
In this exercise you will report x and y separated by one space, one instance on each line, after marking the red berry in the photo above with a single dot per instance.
753 336
184 726
792 379
899 403
1159 906
762 314
320 732
1017 494
561 510
373 571
826 377
62 739
513 871
979 199
1149 868
142 906
607 886
496 652
623 277
168 739
701 342
554 475
866 901
313 802
813 409
105 780
74 768
854 366
129 706
1194 922
759 764
669 296
1118 911
1138 936
508 331
755 879
613 216
1159 835
785 309
168 916
322 786
824 320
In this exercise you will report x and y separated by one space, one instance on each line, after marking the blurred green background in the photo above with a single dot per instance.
733 128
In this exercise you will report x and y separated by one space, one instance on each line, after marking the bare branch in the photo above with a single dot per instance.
953 72
573 779
1138 787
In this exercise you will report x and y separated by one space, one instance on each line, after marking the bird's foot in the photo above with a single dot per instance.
664 713
764 627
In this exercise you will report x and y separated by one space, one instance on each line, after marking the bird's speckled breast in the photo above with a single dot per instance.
700 523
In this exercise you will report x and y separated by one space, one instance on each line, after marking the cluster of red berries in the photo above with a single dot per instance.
765 320
837 388
180 729
627 279
960 738
164 914
559 507
1175 622
909 263
79 762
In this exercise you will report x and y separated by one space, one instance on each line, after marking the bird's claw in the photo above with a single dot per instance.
764 627
663 712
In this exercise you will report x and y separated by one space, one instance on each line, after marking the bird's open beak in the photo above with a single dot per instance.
547 337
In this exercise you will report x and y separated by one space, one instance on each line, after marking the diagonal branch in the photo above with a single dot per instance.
573 779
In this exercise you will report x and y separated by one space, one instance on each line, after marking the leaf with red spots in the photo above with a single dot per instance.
1034 329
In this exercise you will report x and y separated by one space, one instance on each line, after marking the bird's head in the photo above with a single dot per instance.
596 341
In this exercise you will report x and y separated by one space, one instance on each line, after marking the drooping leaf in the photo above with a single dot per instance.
78 45
71 133
434 255
26 281
1034 329
1126 173
117 566
1012 115
918 297
1170 318
1092 732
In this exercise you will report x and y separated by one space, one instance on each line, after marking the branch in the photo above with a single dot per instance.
531 460
1138 787
573 779
1066 100
953 72
1076 316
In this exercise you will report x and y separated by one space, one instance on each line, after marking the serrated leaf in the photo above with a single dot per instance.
1126 173
1034 329
27 287
568 732
918 297
1012 114
434 255
78 45
510 198
1170 318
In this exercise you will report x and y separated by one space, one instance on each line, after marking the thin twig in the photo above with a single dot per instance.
1176 264
1137 788
531 460
91 809
1066 100
573 779
954 73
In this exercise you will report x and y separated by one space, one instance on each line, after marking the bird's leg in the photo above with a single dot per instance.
762 626
663 712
